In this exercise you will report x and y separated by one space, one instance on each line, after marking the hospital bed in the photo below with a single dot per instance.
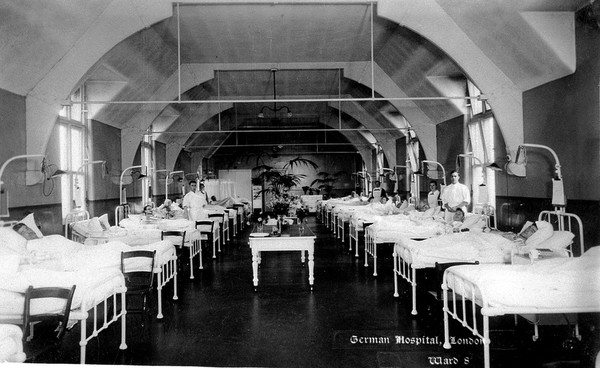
146 235
559 285
54 261
469 247
390 229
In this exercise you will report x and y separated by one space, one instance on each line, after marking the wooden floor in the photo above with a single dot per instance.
351 319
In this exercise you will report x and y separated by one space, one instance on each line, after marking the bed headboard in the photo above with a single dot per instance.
121 212
78 215
566 222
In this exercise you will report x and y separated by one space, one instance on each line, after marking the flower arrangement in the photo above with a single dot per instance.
281 204
301 213
257 218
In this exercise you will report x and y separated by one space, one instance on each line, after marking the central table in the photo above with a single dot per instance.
291 239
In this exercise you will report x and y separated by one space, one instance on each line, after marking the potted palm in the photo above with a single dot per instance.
325 181
277 182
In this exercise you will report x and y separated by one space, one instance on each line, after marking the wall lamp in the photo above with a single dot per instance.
143 172
4 165
558 190
430 162
80 170
167 181
483 192
490 165
384 171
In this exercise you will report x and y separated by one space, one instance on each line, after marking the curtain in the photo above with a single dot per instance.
481 138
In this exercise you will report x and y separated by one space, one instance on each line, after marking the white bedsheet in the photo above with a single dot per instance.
58 253
456 247
389 229
137 232
556 283
92 286
11 344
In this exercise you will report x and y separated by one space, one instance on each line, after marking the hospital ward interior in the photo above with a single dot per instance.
342 183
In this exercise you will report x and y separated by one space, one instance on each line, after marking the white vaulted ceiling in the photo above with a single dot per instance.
130 50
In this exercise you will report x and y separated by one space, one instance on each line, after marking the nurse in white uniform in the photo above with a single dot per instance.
455 195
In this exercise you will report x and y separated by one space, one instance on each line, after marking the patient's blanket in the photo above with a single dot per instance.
549 284
456 247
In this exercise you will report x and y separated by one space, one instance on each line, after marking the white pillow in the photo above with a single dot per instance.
10 239
473 221
430 212
527 224
95 226
558 240
29 220
81 227
544 231
104 222
403 206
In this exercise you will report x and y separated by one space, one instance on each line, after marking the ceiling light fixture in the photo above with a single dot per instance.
275 109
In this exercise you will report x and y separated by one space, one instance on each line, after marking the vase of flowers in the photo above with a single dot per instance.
301 214
281 204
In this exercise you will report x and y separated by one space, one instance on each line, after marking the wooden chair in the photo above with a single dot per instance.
207 233
233 220
241 215
138 269
439 274
177 237
223 226
56 321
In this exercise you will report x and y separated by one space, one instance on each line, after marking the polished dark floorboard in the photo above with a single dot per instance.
220 321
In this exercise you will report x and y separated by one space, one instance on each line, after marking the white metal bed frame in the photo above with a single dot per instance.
404 267
474 297
70 218
83 313
164 274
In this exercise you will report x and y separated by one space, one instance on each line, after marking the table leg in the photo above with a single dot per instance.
302 258
255 260
311 266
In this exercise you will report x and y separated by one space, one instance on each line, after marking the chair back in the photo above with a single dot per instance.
55 307
177 237
137 267
219 216
205 226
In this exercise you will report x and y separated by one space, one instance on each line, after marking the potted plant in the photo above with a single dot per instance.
325 181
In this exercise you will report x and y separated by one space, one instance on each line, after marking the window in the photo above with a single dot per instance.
72 137
477 106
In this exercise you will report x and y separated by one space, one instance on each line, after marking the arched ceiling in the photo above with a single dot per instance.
131 50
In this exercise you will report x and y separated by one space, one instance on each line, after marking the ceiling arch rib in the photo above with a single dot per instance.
383 137
210 126
195 74
499 53
113 25
187 123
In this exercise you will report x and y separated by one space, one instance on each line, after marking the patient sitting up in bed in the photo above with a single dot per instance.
168 210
